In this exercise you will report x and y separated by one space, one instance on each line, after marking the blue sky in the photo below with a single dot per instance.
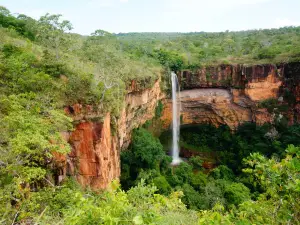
164 15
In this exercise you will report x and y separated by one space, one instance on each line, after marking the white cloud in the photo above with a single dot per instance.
286 22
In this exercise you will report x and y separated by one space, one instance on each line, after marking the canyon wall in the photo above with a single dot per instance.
96 144
215 106
139 107
229 94
259 82
224 94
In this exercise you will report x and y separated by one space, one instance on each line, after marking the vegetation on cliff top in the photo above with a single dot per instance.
194 50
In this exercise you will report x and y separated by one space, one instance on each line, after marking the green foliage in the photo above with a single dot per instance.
69 204
12 23
214 193
200 48
51 32
169 59
181 174
145 152
222 172
162 184
230 148
222 188
158 110
191 197
269 104
236 193
198 181
146 149
196 162
267 53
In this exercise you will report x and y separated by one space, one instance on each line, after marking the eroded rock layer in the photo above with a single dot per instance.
94 159
95 156
218 95
247 86
139 107
259 82
215 106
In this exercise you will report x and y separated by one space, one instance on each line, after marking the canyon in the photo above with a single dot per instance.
225 94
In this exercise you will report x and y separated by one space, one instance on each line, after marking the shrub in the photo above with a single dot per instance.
158 110
146 149
181 174
222 172
192 198
162 184
236 193
199 181
196 162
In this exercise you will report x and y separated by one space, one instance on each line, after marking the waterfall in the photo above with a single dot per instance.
175 119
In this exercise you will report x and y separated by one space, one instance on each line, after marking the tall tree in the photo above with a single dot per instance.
52 32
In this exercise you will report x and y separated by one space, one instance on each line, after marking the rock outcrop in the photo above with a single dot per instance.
230 94
215 106
225 94
139 107
94 159
95 156
259 82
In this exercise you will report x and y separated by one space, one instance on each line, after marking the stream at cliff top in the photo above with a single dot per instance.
175 119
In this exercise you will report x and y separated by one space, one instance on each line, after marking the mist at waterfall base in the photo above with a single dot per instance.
175 119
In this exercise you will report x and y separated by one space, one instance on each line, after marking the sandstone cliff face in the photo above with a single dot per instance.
260 82
95 156
94 159
215 106
216 95
139 107
238 90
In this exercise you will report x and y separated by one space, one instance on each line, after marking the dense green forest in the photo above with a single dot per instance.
44 67
194 50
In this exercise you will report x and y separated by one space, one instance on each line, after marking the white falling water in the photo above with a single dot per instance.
175 119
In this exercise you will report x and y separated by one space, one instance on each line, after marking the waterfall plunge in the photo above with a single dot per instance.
175 119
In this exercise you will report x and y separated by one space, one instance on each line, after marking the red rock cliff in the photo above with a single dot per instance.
219 95
230 94
139 107
260 82
94 159
95 156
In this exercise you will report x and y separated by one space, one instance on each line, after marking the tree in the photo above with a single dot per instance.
222 172
4 11
146 149
101 33
236 193
52 32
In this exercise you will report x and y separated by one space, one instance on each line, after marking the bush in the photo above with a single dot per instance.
222 172
146 149
236 193
181 174
162 184
214 193
169 59
158 110
196 162
145 152
199 181
192 198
